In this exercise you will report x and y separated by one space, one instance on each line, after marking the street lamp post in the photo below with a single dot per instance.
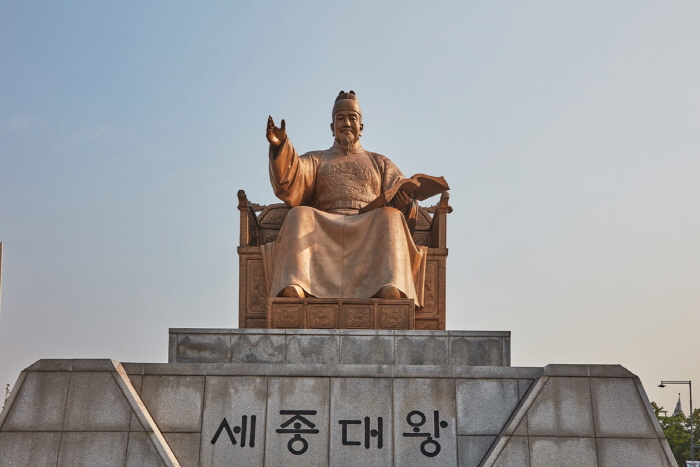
690 390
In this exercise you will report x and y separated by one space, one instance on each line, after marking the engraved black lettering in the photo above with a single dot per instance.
244 428
344 438
224 426
252 431
378 433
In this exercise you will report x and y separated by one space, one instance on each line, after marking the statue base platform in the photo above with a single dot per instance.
340 346
321 313
315 397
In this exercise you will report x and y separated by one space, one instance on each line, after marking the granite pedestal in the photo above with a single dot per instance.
335 397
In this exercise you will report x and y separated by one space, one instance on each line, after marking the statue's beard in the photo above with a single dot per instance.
347 142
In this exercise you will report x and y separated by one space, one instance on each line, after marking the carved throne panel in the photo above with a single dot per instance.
261 224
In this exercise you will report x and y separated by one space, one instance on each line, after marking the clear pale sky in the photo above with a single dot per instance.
569 132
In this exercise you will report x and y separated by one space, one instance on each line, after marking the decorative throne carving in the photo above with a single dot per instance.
261 224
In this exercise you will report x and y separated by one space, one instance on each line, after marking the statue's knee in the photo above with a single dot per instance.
391 212
299 213
301 210
388 216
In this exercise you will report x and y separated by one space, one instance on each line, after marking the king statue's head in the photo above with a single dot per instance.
346 124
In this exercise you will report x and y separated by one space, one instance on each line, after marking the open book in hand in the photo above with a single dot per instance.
418 187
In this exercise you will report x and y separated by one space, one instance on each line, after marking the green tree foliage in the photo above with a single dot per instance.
7 395
677 430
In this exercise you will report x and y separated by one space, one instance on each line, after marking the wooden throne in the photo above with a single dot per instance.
261 224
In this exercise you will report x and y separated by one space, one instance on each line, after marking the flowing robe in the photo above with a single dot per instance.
324 247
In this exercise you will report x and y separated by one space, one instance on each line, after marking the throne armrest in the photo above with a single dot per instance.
438 226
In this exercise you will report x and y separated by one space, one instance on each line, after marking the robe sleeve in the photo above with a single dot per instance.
292 176
390 176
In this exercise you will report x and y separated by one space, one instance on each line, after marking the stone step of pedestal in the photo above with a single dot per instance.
317 346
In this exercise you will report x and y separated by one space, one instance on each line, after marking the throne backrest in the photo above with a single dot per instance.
259 229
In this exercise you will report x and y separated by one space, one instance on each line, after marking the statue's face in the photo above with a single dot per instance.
347 124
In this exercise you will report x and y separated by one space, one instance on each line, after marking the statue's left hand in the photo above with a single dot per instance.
401 199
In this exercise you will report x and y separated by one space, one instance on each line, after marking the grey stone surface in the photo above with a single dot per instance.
650 411
421 349
609 371
528 372
172 347
231 398
367 350
51 364
135 424
523 386
90 449
516 453
430 397
39 449
566 370
300 369
79 414
422 333
366 332
481 372
506 352
174 402
166 369
423 371
360 371
92 364
562 408
237 369
521 428
297 394
10 400
563 452
518 423
631 452
203 348
313 348
484 405
96 403
501 334
480 348
306 332
257 348
281 332
141 452
142 416
619 410
185 446
133 368
476 351
136 381
472 449
318 369
205 330
362 403
40 403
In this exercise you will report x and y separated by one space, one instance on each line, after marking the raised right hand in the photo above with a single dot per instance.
275 136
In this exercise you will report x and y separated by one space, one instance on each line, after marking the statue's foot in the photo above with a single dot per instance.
389 292
293 291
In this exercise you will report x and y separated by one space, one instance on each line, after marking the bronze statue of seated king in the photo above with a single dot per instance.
350 227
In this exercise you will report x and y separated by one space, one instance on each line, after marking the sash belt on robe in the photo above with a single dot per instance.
345 256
